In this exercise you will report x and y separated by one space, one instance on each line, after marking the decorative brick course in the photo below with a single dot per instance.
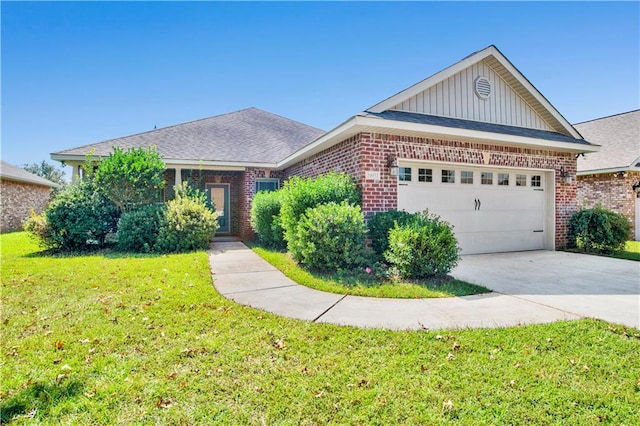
613 192
18 199
369 152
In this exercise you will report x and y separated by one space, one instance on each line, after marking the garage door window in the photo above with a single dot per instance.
503 179
466 177
404 174
486 178
425 175
448 176
521 180
536 181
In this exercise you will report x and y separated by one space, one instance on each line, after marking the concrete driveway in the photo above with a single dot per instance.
579 284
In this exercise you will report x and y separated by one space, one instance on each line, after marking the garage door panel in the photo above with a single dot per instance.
486 218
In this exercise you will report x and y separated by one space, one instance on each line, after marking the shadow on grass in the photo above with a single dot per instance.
38 398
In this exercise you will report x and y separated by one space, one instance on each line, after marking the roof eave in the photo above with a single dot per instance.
182 163
608 170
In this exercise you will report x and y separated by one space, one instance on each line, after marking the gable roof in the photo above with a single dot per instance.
494 59
619 136
11 172
245 137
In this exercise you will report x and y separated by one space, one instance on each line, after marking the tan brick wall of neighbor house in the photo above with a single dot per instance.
615 193
17 201
369 152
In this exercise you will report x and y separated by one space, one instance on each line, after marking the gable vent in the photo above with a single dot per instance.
482 87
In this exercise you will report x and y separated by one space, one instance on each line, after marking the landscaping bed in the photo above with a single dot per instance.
366 281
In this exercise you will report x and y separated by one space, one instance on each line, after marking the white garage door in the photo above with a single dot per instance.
492 210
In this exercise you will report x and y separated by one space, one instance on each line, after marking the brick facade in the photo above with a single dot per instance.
370 152
18 199
613 192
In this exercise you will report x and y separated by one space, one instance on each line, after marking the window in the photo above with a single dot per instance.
466 177
425 175
267 184
404 174
448 176
521 180
503 179
486 178
536 181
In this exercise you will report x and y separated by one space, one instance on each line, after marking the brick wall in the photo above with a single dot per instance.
17 201
369 152
613 192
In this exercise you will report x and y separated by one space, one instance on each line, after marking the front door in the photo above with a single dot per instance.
219 195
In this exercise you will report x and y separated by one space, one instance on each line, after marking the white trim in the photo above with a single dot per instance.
610 170
185 164
468 61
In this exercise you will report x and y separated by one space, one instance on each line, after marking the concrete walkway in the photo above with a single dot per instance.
244 277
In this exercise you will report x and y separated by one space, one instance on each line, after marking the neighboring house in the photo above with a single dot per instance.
475 143
21 191
612 176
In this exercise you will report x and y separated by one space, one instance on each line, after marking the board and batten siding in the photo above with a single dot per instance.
455 97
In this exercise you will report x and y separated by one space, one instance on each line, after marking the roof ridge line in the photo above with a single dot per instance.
607 116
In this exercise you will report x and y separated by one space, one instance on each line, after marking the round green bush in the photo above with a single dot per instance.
265 218
187 225
598 230
423 247
330 237
138 229
80 217
300 194
379 226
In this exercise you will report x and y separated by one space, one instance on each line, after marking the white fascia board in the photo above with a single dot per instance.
431 81
487 137
44 182
338 134
186 164
609 170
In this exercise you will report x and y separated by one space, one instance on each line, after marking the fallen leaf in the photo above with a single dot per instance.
439 337
57 361
172 375
450 356
447 405
512 383
65 368
319 394
59 377
138 400
164 403
59 344
278 344
183 384
258 389
83 341
518 365
455 346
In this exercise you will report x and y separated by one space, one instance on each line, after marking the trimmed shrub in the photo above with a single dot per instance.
80 218
423 247
379 226
598 230
265 218
187 224
38 228
131 178
138 229
300 194
330 237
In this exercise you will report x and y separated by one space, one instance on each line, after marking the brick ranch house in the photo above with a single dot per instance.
476 143
21 191
612 176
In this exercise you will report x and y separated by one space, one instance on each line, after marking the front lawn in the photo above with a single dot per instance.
360 286
631 251
106 339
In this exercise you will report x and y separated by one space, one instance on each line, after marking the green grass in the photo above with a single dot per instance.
362 287
102 339
631 251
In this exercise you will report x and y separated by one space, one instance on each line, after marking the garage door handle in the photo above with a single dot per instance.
478 204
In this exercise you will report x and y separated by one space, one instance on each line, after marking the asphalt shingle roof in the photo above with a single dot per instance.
11 172
412 117
247 136
619 136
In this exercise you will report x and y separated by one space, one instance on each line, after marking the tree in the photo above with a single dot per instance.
47 171
132 178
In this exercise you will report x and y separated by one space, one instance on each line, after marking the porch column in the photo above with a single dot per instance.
178 180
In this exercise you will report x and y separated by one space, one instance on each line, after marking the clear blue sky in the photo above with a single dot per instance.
78 73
